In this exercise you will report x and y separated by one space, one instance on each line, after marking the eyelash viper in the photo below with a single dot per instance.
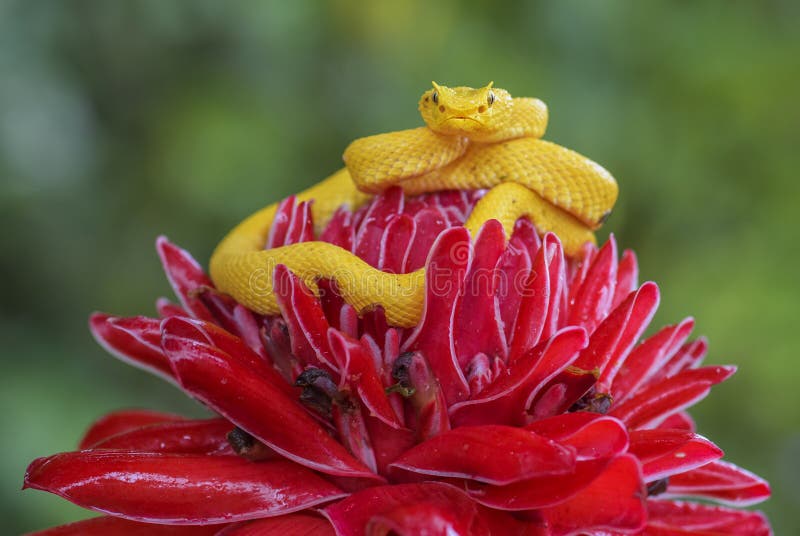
473 138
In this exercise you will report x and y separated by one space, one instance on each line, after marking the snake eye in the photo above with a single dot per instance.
490 98
436 97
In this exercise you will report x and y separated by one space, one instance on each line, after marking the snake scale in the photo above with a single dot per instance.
474 138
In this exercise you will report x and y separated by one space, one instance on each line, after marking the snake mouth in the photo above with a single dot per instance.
461 120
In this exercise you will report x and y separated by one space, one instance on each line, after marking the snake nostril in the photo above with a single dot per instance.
481 109
442 108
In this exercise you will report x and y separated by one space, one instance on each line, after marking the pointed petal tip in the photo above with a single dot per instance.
33 469
96 321
551 239
163 242
650 286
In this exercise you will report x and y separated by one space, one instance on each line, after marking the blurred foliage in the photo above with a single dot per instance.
122 120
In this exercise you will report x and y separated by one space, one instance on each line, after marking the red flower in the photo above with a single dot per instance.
522 403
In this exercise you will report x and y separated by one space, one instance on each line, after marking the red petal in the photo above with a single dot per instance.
221 307
537 492
692 518
207 436
594 298
381 211
493 454
526 237
646 358
280 223
447 265
539 299
235 347
358 371
514 268
721 481
544 298
613 339
123 421
430 224
561 392
689 356
240 393
301 224
401 504
627 277
430 409
614 501
477 327
505 401
591 435
287 525
508 524
332 302
105 525
388 443
340 230
185 275
350 423
233 317
679 421
456 203
557 307
178 488
658 401
664 453
167 308
129 340
373 324
395 245
308 327
578 269
418 518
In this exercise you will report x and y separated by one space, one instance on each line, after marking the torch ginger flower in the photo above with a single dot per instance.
523 402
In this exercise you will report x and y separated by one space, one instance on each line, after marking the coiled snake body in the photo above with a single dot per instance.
473 138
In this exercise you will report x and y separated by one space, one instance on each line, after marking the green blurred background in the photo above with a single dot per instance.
123 120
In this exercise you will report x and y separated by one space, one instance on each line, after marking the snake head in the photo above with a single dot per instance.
464 111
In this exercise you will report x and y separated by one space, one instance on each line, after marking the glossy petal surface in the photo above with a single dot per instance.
614 501
107 526
236 391
122 421
492 454
287 525
179 489
188 437
678 518
720 481
664 453
405 506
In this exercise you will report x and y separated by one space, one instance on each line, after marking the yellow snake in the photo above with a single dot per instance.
473 139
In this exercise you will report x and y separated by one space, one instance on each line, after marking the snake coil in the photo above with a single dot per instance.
473 138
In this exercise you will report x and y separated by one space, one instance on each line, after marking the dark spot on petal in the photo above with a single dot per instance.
400 368
401 373
657 487
593 402
319 390
247 446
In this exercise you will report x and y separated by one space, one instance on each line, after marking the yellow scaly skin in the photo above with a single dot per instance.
473 138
